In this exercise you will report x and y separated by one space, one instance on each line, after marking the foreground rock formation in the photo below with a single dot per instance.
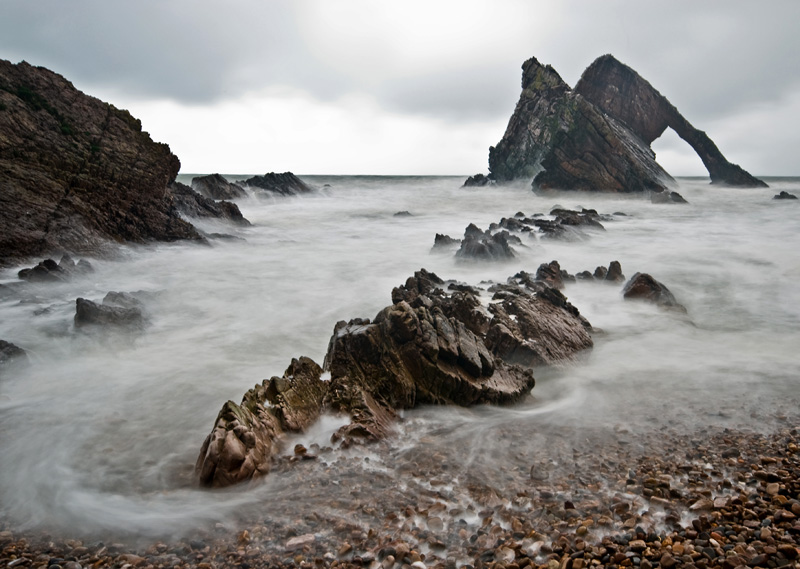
597 136
77 172
430 347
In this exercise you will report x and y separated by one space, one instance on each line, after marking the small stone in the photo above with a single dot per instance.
300 541
637 545
773 488
667 560
435 524
418 565
702 504
344 549
721 502
505 555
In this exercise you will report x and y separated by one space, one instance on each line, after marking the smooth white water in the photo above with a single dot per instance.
100 432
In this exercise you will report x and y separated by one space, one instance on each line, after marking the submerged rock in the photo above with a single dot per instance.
88 313
478 180
667 197
286 184
9 353
644 287
429 347
784 195
78 173
597 137
216 187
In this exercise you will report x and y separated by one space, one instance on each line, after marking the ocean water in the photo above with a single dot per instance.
99 434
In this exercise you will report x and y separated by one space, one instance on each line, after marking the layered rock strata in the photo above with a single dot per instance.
429 347
597 136
77 173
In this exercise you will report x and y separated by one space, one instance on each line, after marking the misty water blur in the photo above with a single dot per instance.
100 432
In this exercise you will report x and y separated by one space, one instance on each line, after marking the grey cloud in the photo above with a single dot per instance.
478 93
187 51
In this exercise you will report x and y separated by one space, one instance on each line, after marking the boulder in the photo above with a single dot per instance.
11 354
122 300
597 137
478 180
216 187
191 204
88 313
784 195
78 173
614 273
286 184
667 197
644 287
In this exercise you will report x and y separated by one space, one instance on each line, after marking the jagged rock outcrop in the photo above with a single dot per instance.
429 347
597 137
644 287
245 437
784 195
216 187
537 329
50 271
285 184
191 204
486 246
442 241
77 173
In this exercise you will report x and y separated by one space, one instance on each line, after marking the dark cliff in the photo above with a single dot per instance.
597 137
75 172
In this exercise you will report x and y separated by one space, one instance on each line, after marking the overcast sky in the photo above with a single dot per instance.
411 87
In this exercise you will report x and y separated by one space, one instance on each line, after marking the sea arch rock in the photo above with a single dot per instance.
597 136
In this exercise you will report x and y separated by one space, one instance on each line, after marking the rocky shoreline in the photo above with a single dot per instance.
716 498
